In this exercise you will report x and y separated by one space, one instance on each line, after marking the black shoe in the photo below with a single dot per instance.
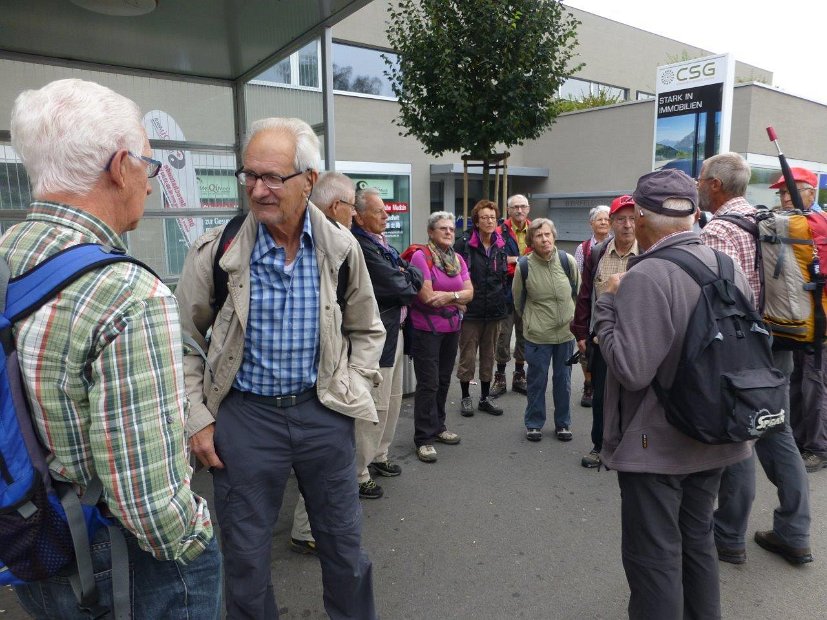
731 555
386 468
305 547
487 405
370 490
794 555
534 434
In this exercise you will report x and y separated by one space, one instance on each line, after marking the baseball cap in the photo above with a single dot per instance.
621 201
801 175
654 188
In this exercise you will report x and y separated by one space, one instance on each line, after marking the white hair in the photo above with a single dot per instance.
595 211
330 187
662 223
307 142
362 198
66 132
436 216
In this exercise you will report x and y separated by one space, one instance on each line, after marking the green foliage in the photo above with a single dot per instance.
476 73
602 97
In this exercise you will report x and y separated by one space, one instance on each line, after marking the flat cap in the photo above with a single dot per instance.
655 188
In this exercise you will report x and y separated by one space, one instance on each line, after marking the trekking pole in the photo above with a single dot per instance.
785 170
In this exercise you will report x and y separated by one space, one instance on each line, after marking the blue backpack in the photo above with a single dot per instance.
45 528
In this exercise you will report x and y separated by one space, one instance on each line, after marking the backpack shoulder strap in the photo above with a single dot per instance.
27 292
695 267
522 263
220 278
741 221
564 261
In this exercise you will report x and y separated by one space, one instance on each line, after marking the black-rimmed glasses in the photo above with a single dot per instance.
248 179
153 166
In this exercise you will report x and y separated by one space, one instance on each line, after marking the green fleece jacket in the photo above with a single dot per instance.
549 307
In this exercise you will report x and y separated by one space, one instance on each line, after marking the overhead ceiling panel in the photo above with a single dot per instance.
220 39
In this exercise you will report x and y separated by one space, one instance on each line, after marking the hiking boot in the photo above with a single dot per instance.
794 555
426 453
487 405
370 490
498 387
586 400
466 407
518 382
305 547
731 555
563 434
447 437
813 462
592 459
533 434
386 468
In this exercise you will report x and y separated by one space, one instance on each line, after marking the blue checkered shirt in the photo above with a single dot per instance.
281 343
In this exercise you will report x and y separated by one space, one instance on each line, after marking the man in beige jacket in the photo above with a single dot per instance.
292 356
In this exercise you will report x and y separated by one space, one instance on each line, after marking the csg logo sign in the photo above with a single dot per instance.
689 72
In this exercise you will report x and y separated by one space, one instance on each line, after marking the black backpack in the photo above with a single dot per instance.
726 388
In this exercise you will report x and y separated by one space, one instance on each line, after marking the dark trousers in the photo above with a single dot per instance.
433 358
259 444
783 465
668 550
597 365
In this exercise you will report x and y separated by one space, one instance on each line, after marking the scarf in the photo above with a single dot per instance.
445 260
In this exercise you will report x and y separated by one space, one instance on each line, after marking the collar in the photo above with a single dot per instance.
265 243
76 219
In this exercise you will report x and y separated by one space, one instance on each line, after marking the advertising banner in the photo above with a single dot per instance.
693 114
177 176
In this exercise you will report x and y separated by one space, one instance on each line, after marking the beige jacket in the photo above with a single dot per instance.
349 348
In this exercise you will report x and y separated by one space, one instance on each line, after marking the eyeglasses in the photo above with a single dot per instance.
248 178
153 166
783 193
520 207
487 218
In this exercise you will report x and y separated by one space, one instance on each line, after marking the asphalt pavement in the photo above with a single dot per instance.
502 528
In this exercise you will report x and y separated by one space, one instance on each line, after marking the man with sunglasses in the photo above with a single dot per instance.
292 357
102 361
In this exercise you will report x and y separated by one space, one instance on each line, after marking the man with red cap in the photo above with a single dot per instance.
806 182
808 392
606 258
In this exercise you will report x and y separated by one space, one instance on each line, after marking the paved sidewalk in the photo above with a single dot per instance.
501 528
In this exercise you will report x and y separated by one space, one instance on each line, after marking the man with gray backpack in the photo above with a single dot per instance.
101 362
722 185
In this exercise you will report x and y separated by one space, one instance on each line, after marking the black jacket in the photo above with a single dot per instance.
489 275
395 284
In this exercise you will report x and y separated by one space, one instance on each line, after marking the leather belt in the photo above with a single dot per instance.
282 402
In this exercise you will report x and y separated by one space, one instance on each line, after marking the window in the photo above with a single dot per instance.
576 89
361 70
300 69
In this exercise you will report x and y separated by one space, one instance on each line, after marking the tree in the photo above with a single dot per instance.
473 74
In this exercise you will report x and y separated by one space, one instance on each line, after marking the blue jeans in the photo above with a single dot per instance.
539 357
158 589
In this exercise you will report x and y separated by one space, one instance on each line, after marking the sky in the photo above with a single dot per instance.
783 37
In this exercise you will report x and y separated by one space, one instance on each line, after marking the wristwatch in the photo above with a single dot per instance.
456 295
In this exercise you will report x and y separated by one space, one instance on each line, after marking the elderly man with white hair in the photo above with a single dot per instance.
102 362
668 480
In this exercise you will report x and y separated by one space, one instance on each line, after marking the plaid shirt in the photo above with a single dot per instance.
734 241
102 363
281 343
